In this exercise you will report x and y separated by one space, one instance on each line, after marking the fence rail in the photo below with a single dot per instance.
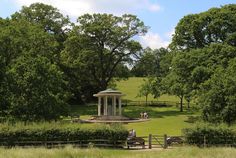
155 103
78 143
150 141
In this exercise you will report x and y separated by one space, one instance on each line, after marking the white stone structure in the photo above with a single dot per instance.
108 103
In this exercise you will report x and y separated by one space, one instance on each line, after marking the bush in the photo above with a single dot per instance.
213 135
10 135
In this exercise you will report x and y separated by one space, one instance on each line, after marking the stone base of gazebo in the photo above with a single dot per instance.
110 118
113 119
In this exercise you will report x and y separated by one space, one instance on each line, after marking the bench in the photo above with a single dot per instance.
135 141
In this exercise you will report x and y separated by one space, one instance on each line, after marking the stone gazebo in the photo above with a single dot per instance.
109 104
110 109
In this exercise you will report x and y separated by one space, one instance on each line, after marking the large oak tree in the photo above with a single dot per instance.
217 25
100 43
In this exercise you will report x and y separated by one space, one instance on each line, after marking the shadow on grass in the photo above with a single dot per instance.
155 112
83 110
192 119
134 111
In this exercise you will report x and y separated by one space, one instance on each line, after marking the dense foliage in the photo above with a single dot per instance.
210 135
200 64
99 47
46 61
12 134
36 90
217 25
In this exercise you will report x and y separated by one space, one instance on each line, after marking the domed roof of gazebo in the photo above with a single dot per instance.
109 92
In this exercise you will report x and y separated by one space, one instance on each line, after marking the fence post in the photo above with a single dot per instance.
165 141
204 141
150 141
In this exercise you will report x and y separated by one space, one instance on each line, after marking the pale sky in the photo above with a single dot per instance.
160 15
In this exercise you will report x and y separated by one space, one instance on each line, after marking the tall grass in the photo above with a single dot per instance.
70 152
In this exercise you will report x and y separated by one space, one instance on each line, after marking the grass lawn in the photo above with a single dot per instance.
69 152
131 87
163 120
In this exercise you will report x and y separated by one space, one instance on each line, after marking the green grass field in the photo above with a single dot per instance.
131 87
69 152
163 120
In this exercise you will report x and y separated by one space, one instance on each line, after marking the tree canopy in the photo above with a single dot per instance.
100 45
29 72
217 25
47 17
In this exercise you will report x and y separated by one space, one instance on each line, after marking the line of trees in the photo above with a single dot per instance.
46 61
199 64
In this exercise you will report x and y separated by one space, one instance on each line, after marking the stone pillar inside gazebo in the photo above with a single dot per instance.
108 103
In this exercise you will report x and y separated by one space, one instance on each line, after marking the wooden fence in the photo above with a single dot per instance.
77 143
156 103
150 141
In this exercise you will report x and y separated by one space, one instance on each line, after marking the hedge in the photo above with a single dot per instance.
11 135
210 135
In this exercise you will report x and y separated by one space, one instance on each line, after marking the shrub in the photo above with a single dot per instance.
210 135
10 135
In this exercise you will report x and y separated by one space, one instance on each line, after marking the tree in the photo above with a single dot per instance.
149 63
24 48
48 18
178 80
174 85
99 44
145 89
36 89
218 95
217 25
17 37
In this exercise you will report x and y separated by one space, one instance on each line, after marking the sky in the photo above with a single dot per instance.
161 16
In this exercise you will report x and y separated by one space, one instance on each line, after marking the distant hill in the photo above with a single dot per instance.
131 87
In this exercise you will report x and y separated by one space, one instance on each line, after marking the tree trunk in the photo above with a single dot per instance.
188 104
103 85
181 104
146 99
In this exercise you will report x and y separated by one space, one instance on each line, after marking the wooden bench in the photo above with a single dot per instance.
135 141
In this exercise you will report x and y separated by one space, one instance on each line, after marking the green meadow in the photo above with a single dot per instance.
131 87
163 120
69 152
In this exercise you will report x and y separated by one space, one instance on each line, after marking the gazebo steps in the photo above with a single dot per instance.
114 121
111 118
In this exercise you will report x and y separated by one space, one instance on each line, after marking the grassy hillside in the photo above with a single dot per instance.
131 87
167 120
164 120
69 152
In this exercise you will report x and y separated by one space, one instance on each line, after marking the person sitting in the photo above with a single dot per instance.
145 115
141 115
132 134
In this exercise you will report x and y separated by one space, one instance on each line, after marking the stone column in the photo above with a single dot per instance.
105 107
114 105
99 106
120 106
